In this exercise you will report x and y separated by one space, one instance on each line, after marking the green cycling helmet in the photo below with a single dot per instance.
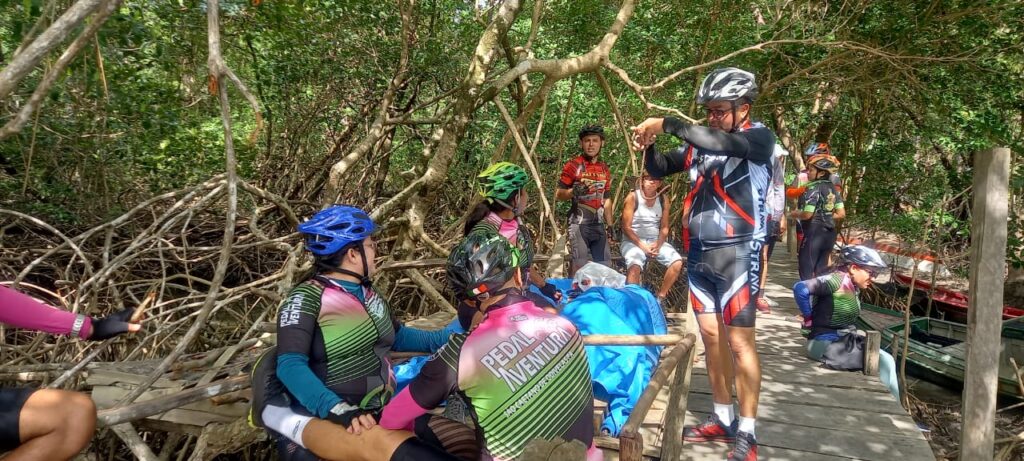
500 181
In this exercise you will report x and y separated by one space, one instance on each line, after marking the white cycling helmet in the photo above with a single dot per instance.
864 257
727 84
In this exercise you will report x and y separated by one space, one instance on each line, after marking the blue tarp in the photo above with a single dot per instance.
620 373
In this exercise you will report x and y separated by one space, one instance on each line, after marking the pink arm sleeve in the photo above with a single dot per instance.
22 311
401 412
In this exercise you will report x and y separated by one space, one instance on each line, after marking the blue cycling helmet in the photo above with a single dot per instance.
334 228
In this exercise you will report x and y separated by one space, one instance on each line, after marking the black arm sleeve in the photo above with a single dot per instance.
663 165
755 144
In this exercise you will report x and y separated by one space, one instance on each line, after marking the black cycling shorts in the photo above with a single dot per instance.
589 242
726 280
12 400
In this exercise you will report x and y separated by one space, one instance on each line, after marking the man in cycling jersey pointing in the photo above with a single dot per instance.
730 170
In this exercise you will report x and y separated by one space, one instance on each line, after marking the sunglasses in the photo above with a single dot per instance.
872 273
716 114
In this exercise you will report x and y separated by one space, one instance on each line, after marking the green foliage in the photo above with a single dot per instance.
920 86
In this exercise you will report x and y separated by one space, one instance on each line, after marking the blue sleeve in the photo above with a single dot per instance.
803 297
293 370
409 339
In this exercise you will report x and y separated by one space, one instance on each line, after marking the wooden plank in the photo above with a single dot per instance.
867 423
819 377
872 347
806 438
824 397
108 377
801 370
148 408
717 451
984 314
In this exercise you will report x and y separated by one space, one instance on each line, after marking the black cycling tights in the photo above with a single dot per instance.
413 449
452 436
815 250
437 438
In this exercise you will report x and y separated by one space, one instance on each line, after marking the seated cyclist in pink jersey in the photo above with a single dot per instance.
522 370
51 424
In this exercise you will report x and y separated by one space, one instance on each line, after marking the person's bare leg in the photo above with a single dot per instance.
633 274
748 369
671 275
333 443
54 425
718 357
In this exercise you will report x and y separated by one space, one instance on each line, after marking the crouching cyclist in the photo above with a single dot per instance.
829 320
51 424
522 370
321 393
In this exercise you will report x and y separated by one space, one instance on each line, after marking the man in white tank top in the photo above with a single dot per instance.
645 227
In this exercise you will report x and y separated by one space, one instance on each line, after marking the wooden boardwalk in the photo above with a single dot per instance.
805 412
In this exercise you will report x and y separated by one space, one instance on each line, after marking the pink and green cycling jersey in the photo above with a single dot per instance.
522 370
832 302
333 339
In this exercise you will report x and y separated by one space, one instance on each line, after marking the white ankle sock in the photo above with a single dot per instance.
747 425
725 413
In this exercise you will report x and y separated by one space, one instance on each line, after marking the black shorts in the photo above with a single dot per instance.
589 242
726 281
11 402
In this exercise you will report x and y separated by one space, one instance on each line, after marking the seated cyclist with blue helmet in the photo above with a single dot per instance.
332 375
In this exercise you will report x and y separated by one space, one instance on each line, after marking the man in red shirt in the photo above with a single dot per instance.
587 182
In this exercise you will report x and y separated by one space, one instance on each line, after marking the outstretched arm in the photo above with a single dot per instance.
749 144
23 311
408 339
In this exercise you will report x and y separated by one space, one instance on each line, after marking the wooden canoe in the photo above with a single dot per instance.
936 350
952 303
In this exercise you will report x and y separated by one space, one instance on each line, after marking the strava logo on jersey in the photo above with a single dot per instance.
755 267
517 359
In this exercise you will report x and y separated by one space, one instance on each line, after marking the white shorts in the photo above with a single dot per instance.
634 256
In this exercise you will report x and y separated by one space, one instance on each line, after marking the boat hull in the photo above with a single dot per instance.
937 348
